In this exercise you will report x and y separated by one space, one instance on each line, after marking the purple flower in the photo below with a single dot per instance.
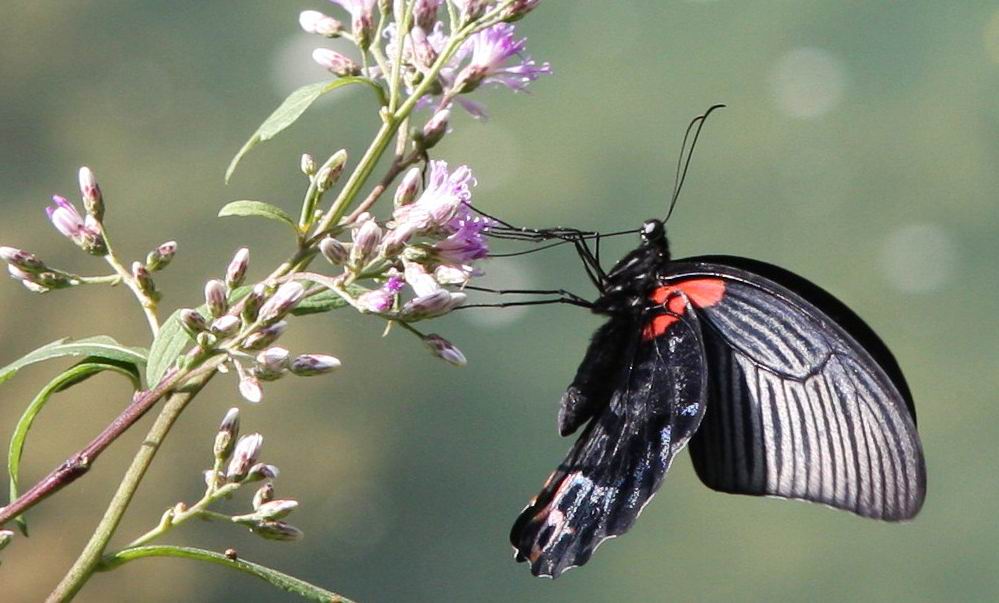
362 19
466 243
425 13
440 202
381 300
315 22
334 62
491 49
445 350
85 232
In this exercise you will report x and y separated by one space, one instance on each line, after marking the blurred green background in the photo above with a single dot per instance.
859 148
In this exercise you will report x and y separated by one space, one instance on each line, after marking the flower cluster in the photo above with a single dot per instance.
492 55
245 322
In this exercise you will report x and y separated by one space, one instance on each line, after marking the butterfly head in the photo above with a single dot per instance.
653 231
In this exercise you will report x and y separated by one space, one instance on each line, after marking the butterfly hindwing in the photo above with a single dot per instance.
654 402
804 401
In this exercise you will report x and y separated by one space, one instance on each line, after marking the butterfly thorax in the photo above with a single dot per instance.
630 282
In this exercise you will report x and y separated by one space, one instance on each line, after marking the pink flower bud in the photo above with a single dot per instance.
93 200
265 336
335 63
284 299
435 128
408 188
225 439
215 297
366 239
24 260
263 495
193 322
244 456
308 365
315 22
226 326
236 271
277 530
160 257
444 349
308 165
144 280
334 251
433 304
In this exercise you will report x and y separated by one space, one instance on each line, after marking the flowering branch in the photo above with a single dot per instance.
431 244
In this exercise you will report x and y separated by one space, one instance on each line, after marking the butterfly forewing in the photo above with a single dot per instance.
800 405
654 404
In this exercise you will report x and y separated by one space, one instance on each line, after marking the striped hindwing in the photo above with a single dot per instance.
804 401
654 402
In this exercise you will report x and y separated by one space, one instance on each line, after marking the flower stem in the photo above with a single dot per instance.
88 560
148 304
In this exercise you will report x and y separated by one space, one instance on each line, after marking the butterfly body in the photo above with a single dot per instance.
780 389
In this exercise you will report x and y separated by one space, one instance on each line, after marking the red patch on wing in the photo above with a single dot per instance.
702 293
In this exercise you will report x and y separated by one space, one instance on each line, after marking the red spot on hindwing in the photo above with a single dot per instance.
701 292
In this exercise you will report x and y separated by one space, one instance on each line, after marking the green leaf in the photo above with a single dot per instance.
278 579
257 208
291 109
324 301
73 376
100 346
170 343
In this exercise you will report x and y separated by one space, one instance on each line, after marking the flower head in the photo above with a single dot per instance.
441 200
85 232
362 19
381 300
491 49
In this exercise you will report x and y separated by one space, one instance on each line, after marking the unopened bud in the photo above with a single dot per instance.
143 280
366 239
226 326
334 251
269 511
206 341
225 439
445 350
471 9
330 171
284 299
261 471
193 322
425 13
5 537
315 22
307 365
23 260
308 165
433 304
335 63
408 188
272 363
253 301
244 456
435 129
395 241
516 10
236 272
215 297
277 530
265 336
264 494
249 387
93 200
159 258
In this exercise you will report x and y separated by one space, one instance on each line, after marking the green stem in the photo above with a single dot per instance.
173 518
273 577
88 560
148 304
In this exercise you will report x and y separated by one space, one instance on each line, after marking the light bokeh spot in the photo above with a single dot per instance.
918 258
808 82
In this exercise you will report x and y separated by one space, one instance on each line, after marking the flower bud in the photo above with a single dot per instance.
226 326
225 439
265 336
215 297
432 304
143 280
334 62
471 9
366 239
277 530
315 22
263 495
206 341
308 365
249 387
159 258
244 456
435 128
193 322
268 511
516 10
253 301
93 200
445 350
308 165
408 188
425 13
284 299
334 251
396 239
24 260
272 363
236 272
261 471
330 171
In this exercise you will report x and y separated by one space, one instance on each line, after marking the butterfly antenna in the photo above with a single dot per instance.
683 163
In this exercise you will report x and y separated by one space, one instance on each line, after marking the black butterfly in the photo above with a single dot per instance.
780 389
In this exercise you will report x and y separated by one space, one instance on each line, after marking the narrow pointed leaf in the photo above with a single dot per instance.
257 208
291 109
100 346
